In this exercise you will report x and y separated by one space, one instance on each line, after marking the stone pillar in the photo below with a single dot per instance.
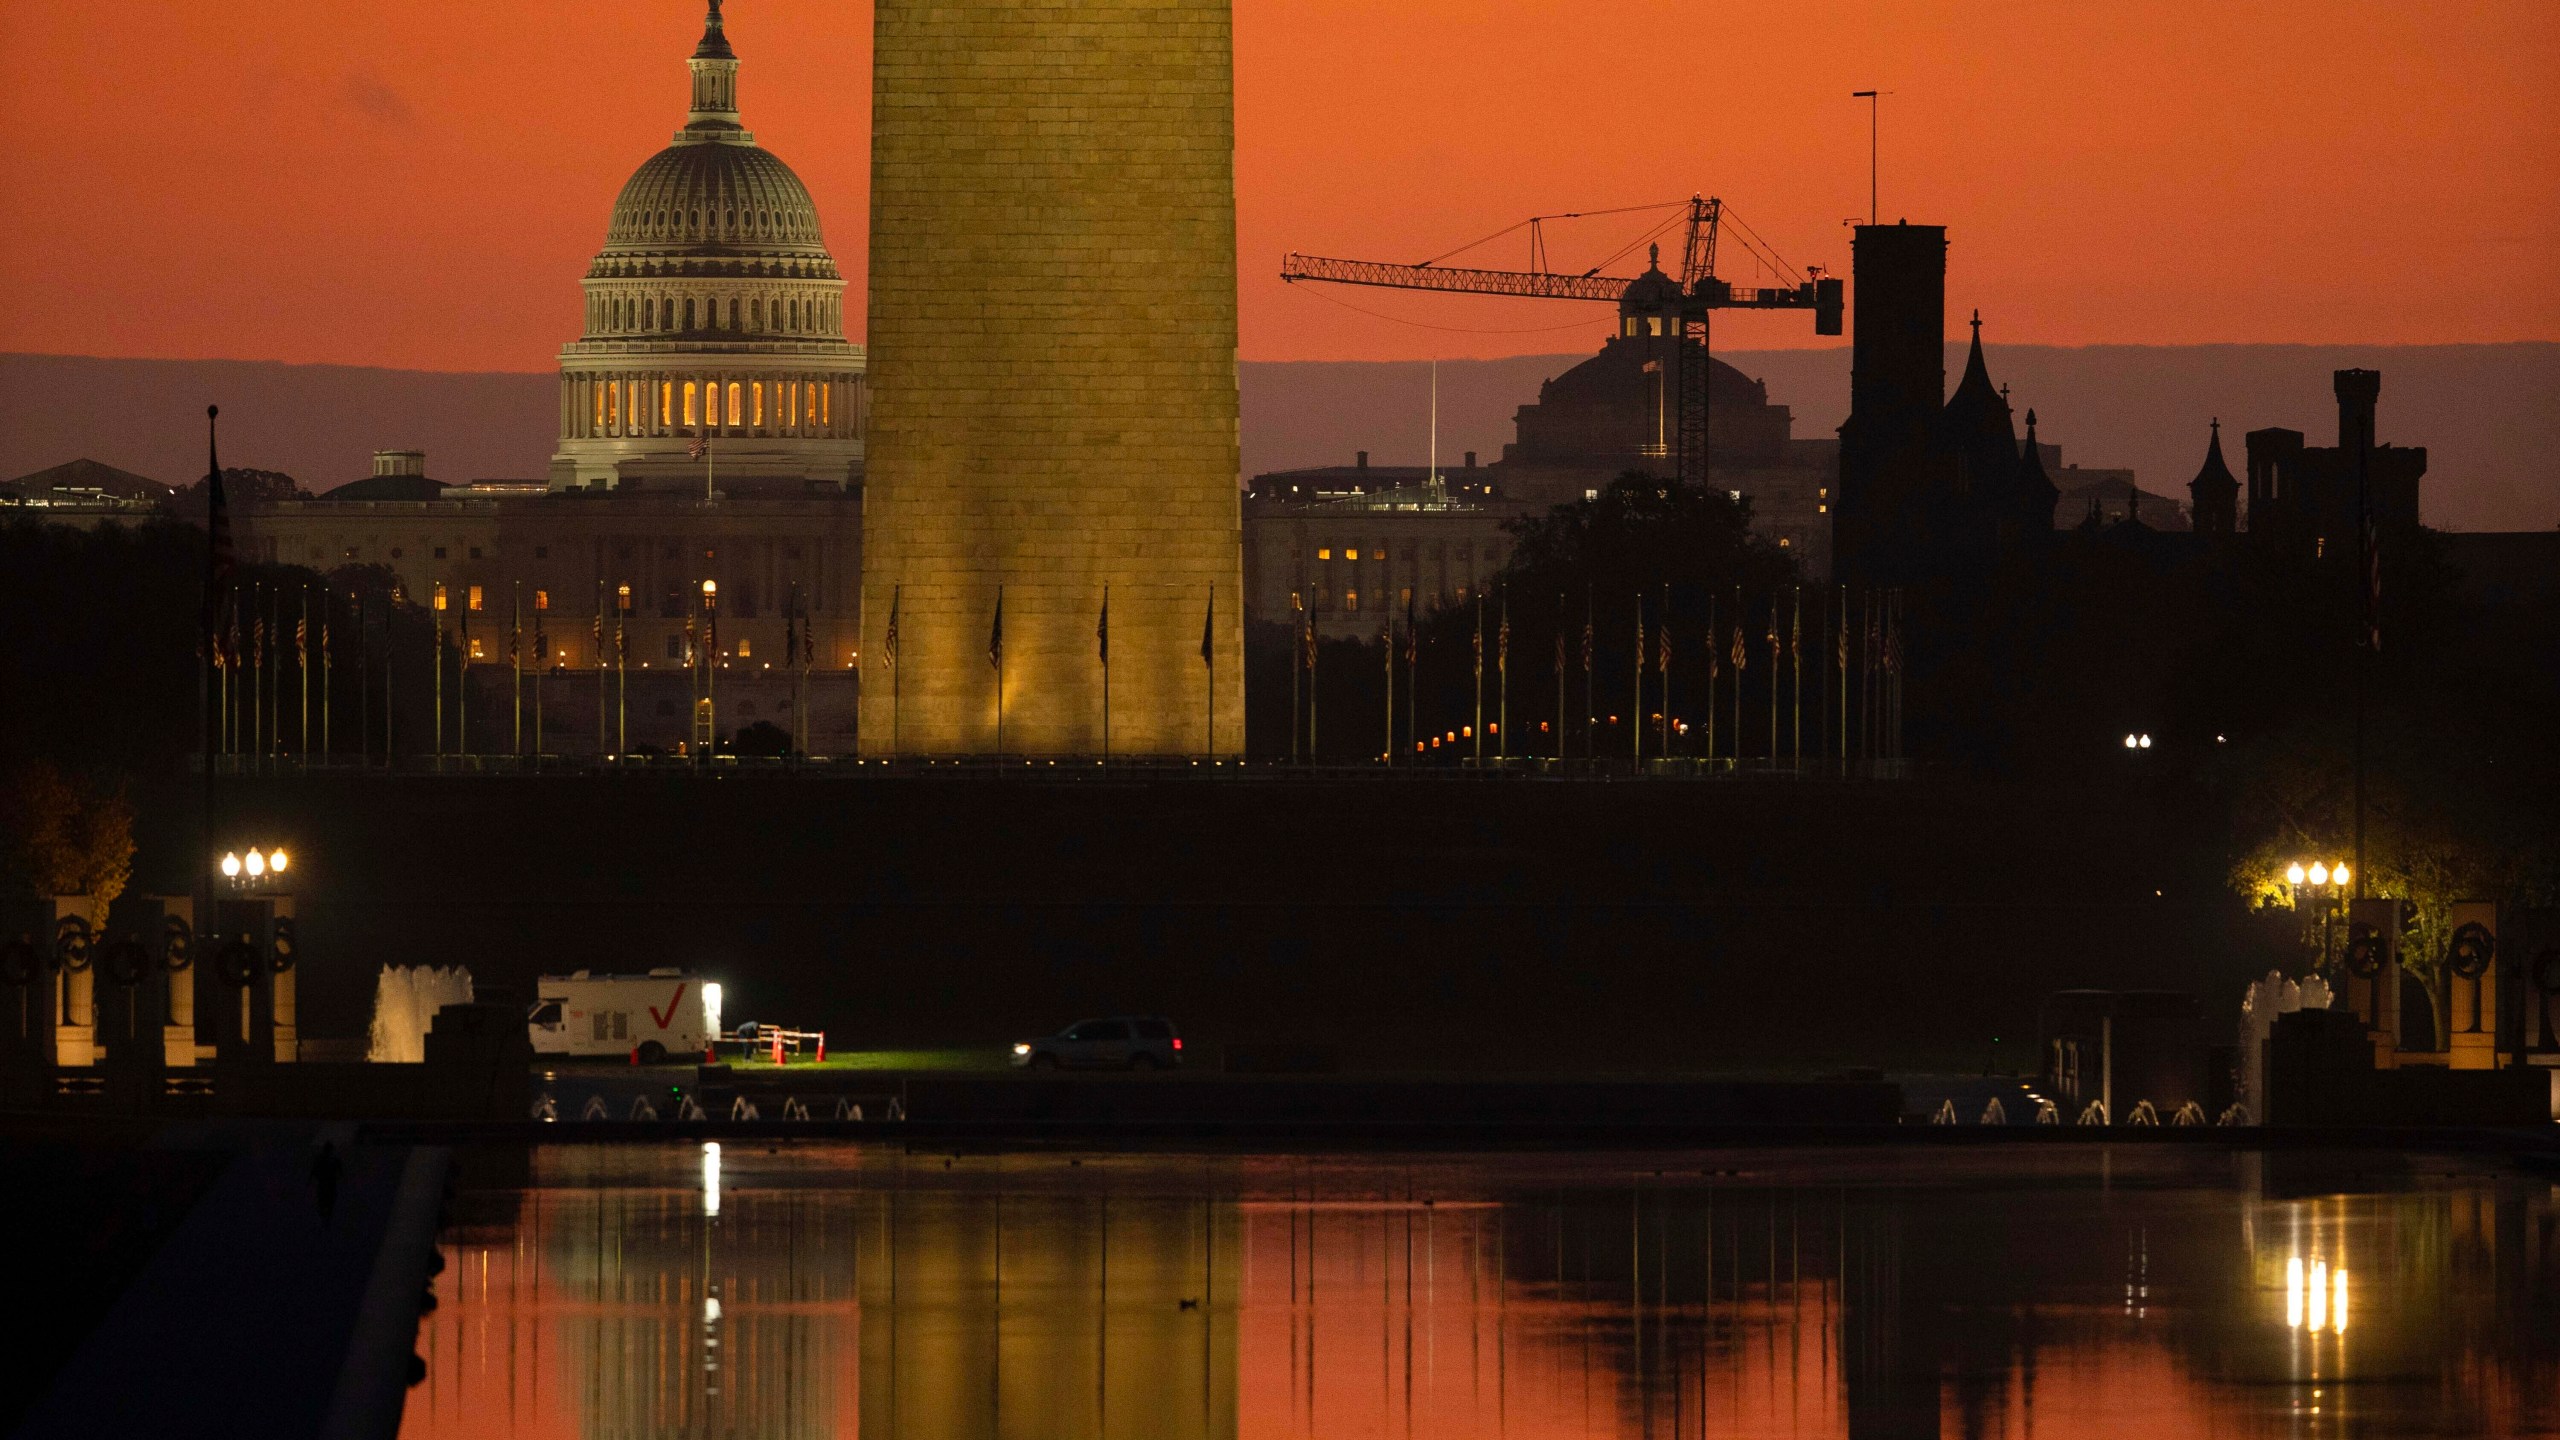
75 1012
2373 975
174 946
1053 335
284 958
2471 986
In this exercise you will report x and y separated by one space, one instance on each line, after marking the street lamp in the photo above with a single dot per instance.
248 868
2320 875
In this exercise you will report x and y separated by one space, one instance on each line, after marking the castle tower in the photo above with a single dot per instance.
2214 495
1053 381
1897 384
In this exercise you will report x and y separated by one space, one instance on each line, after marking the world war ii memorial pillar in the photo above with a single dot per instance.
1052 347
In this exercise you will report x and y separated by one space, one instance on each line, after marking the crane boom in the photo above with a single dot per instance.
1700 291
1538 284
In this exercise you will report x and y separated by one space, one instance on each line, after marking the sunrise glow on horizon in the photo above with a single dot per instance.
416 187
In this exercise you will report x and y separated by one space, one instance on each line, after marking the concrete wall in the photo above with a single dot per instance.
1053 342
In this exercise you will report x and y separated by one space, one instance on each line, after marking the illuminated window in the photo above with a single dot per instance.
622 598
1405 598
475 597
733 402
475 640
541 599
824 393
792 419
1324 552
745 647
1784 542
612 400
666 402
1350 599
1350 554
598 395
688 402
1653 324
757 398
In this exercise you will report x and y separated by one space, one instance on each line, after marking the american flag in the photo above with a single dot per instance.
700 447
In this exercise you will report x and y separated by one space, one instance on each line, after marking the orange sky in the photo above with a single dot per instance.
421 185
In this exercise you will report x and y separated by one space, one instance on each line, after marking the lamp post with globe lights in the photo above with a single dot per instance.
2319 877
253 947
254 871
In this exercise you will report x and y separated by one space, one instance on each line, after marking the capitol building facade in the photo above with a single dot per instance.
714 320
710 451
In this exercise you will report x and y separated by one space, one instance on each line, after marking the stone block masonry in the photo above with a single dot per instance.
1053 377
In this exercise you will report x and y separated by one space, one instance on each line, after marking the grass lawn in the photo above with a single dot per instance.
980 1059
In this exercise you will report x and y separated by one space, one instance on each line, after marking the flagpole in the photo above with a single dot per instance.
1741 666
1387 643
1840 655
388 612
328 604
1795 658
1312 677
1102 637
217 580
1560 684
438 697
274 655
1297 664
1662 644
1775 655
1479 663
1590 694
597 636
462 680
1635 717
1714 668
621 675
302 674
995 657
1412 674
897 680
1209 676
257 679
515 663
1502 674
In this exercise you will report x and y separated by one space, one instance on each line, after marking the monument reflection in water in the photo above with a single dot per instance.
825 1290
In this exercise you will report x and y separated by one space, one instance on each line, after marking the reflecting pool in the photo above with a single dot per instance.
840 1290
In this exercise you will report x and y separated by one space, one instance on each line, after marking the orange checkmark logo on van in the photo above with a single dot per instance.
672 1001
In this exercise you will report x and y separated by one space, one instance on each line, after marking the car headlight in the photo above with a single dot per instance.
1021 1049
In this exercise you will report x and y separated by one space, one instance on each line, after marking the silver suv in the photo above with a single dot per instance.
1118 1042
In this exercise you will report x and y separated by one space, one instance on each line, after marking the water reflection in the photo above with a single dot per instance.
830 1290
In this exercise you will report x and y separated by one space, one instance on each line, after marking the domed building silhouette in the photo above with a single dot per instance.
713 353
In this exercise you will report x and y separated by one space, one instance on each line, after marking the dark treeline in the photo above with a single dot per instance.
106 674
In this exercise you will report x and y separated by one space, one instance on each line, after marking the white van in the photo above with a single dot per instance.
663 1013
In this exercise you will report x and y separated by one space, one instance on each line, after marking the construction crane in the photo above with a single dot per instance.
1700 292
